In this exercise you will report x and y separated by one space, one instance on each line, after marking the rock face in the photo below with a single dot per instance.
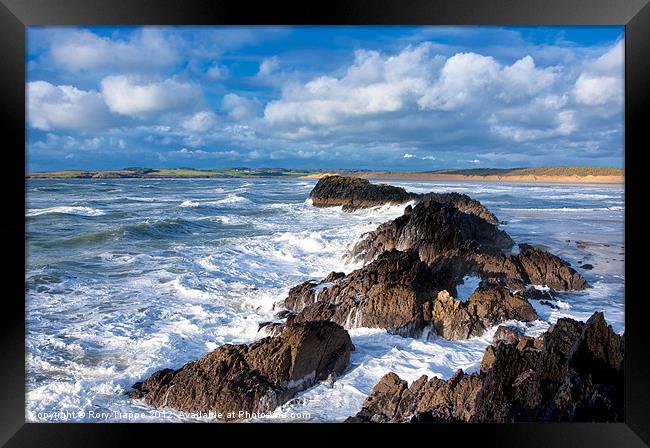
573 372
439 232
530 266
252 378
507 334
391 400
414 263
390 293
487 306
463 203
449 240
543 268
353 193
402 294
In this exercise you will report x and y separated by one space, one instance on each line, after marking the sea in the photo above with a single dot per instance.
125 277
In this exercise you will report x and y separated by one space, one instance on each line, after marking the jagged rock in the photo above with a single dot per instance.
487 306
383 402
544 268
464 244
465 204
532 293
353 193
440 233
574 372
388 293
451 319
253 378
507 334
530 266
391 400
270 328
402 294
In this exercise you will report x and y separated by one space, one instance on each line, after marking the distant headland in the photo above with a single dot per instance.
566 174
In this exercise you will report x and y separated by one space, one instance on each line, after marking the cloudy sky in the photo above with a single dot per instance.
398 98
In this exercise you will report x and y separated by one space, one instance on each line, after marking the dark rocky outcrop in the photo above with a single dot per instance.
440 233
449 240
391 400
391 292
532 293
487 306
253 378
463 203
402 294
543 268
573 372
507 334
353 193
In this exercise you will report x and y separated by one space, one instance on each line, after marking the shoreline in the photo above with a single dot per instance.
526 179
375 175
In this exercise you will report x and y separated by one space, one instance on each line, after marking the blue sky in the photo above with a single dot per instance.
398 98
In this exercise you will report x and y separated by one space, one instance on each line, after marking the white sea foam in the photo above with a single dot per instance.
568 209
66 210
189 204
231 198
129 310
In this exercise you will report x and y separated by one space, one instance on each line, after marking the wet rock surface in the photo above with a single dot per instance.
390 293
252 378
402 294
573 372
440 233
453 319
413 264
463 203
353 193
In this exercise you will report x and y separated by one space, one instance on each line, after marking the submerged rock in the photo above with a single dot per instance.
573 372
253 378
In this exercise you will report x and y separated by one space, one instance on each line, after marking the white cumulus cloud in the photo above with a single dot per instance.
137 98
65 107
147 49
602 80
239 107
200 122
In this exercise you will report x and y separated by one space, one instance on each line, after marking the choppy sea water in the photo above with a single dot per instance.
128 276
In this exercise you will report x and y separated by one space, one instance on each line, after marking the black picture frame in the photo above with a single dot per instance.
16 15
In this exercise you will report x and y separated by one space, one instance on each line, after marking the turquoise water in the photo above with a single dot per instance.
128 276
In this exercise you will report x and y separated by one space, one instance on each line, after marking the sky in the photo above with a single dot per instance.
363 97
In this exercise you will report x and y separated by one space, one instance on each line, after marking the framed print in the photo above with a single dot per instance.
346 217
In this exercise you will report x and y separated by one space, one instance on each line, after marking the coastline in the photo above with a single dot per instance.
575 179
411 176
